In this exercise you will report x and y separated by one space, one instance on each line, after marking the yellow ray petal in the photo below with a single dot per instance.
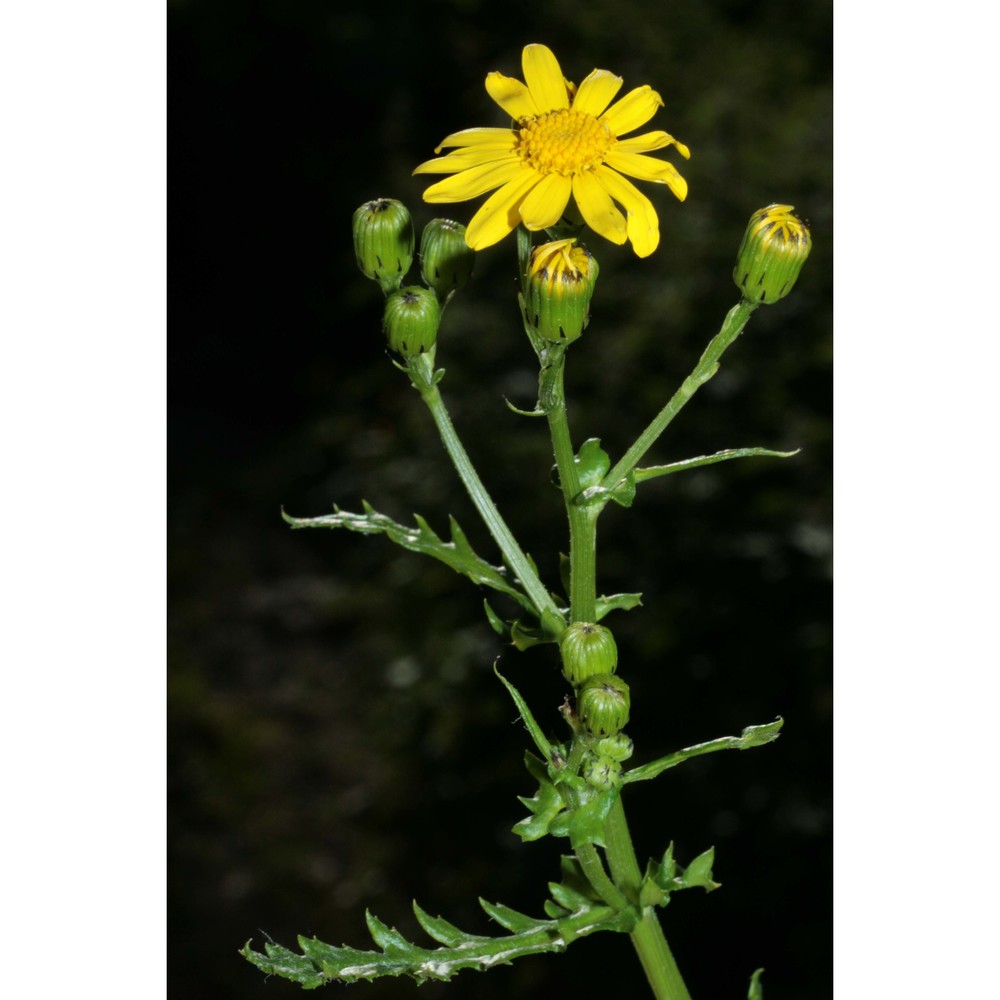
545 203
512 95
648 168
597 208
544 78
462 159
499 213
633 110
596 92
478 137
643 224
649 141
473 182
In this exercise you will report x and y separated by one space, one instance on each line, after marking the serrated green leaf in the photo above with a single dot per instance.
585 823
568 897
321 963
752 736
456 554
664 877
756 991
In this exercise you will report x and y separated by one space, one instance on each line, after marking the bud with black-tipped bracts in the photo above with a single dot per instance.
587 649
560 284
446 260
411 319
383 241
602 704
774 249
601 771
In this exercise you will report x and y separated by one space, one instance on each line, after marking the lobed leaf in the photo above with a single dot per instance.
458 554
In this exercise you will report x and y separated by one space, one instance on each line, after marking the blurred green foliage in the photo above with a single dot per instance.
332 701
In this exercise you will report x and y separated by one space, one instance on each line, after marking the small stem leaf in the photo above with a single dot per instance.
617 602
756 991
529 720
524 636
496 622
456 554
523 413
653 471
752 736
584 824
554 910
664 877
387 938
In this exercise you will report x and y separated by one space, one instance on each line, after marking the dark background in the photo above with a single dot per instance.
337 737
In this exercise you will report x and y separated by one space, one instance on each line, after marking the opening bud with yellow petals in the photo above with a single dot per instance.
587 649
603 704
411 320
446 260
383 241
560 283
774 248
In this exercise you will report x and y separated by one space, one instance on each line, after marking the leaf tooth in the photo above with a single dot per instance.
440 929
510 919
389 939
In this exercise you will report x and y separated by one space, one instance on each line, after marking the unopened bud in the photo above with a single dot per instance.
383 241
411 319
603 704
774 248
600 771
618 747
561 279
587 649
446 260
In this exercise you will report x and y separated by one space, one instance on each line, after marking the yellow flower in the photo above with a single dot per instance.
565 141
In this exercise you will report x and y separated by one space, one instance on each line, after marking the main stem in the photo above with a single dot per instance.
647 937
626 877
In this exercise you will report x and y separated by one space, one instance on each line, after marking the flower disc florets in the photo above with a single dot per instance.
567 142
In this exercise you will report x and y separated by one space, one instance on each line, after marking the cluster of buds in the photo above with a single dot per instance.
590 659
383 247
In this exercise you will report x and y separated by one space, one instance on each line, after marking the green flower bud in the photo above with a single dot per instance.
383 241
587 649
618 747
446 260
603 704
560 284
774 248
600 771
411 319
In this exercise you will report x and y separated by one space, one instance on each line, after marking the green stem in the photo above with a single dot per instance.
582 520
593 868
421 374
732 326
647 937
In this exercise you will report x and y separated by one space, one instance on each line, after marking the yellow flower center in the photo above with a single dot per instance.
563 142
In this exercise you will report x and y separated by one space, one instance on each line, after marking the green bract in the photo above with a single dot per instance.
411 320
774 248
446 260
587 649
383 241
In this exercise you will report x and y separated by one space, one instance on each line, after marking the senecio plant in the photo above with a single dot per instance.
559 168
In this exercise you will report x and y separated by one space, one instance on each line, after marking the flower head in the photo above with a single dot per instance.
565 141
774 249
